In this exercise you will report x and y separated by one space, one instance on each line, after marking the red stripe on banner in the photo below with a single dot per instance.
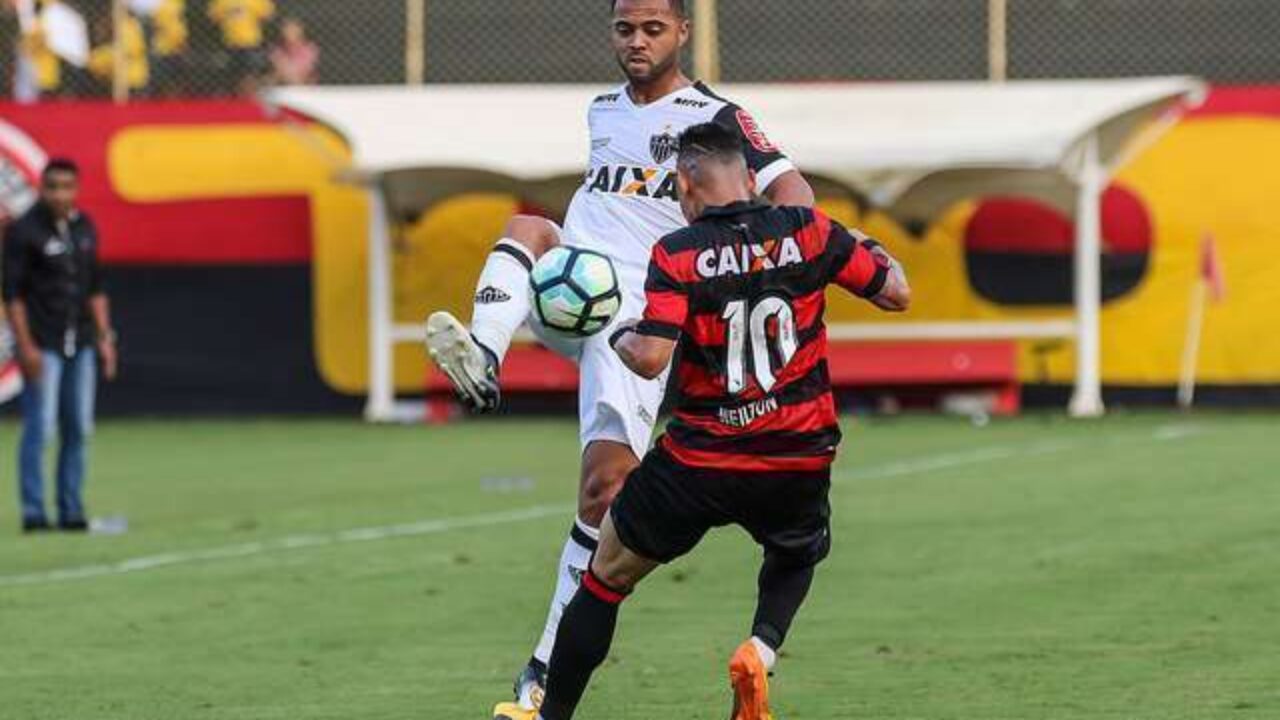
730 462
1242 100
1018 225
255 231
216 231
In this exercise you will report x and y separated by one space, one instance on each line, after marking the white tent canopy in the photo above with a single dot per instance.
913 149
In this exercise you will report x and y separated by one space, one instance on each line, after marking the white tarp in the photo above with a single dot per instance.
912 149
878 139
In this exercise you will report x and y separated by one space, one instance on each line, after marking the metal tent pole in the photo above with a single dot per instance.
1087 399
381 403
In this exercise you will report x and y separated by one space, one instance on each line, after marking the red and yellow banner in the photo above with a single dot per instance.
222 184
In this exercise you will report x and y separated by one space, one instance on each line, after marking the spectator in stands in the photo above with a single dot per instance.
39 68
294 58
169 46
102 60
54 300
242 23
53 50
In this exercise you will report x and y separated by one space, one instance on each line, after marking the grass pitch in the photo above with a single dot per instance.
1036 568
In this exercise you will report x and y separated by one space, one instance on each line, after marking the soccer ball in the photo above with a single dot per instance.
575 291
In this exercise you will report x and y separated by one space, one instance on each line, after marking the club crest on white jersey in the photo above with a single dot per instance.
629 197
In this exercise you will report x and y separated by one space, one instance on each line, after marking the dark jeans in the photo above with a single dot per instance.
63 398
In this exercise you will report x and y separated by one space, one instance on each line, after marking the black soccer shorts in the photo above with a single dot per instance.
665 508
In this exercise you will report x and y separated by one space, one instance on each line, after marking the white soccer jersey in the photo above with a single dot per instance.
628 199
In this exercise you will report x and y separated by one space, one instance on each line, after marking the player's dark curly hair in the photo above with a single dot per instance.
676 5
710 140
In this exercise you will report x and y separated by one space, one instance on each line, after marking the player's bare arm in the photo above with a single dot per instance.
646 355
895 295
790 189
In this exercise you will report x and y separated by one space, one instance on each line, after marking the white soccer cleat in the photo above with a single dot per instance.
471 368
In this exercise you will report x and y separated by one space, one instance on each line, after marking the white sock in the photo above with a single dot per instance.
573 565
767 655
502 296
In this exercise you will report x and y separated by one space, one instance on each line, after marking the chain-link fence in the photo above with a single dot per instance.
186 48
1225 41
497 41
195 48
857 39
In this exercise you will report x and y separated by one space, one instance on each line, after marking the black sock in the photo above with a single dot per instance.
783 587
582 644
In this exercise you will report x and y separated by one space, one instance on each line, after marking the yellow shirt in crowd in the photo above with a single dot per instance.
47 66
170 24
137 71
241 21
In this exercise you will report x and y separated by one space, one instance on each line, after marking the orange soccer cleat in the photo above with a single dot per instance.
750 680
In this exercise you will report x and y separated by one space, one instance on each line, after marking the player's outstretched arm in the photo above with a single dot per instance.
790 189
895 296
646 355
866 269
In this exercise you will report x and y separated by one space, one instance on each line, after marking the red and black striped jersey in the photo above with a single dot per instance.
743 291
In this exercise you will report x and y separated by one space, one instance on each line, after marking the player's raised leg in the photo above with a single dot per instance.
616 409
586 630
471 359
605 466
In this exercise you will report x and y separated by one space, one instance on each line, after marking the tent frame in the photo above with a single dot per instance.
1089 176
914 173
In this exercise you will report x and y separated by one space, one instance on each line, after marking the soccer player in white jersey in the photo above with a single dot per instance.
628 200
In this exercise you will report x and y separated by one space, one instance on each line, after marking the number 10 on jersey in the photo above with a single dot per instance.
748 331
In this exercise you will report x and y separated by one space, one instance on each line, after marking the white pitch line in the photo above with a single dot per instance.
944 461
1166 433
947 461
293 542
931 463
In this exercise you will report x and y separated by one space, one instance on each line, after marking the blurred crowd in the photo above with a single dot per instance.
167 48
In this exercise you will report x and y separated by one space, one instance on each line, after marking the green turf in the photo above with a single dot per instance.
1030 569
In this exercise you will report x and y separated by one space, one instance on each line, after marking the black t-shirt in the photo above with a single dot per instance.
55 271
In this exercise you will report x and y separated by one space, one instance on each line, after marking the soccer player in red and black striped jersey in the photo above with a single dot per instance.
742 292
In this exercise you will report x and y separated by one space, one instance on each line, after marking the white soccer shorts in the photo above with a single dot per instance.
614 404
